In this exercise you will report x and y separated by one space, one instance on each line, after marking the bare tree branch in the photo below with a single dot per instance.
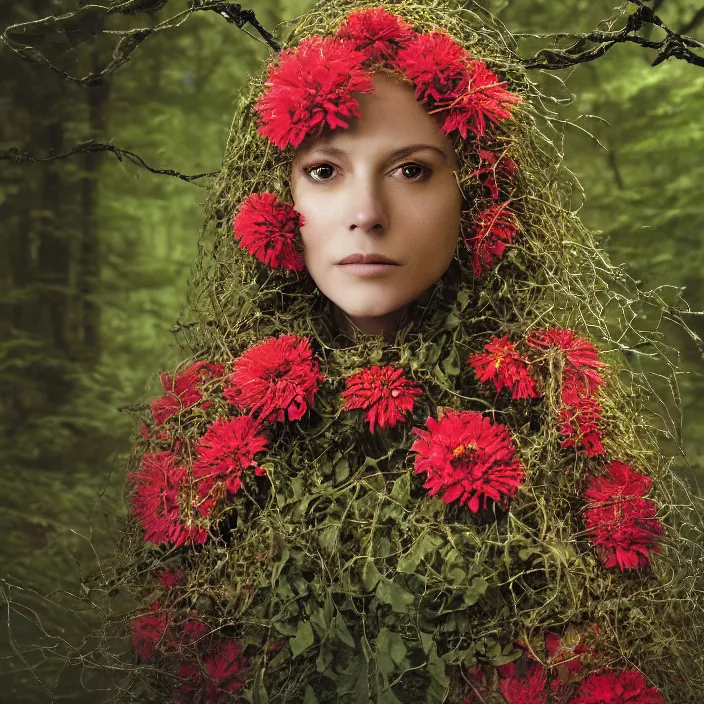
694 22
20 157
82 25
593 45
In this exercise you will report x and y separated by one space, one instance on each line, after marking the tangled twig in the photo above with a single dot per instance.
91 146
87 22
593 45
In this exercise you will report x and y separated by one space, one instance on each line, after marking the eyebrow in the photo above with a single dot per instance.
398 154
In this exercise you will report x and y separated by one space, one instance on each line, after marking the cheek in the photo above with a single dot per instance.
438 223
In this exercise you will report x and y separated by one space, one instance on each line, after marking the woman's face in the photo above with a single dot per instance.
384 186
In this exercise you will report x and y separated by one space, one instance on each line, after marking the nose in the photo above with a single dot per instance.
368 207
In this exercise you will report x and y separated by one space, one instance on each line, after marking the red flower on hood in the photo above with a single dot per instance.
182 390
467 457
223 672
627 687
494 229
448 80
311 87
385 393
375 32
267 228
225 451
275 379
437 65
621 523
156 501
502 365
581 375
494 166
486 100
149 632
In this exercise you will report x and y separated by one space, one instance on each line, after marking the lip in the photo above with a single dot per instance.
368 270
360 258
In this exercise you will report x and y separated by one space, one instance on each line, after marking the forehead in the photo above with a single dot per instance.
390 119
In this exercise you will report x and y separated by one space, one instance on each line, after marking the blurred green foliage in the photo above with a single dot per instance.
633 136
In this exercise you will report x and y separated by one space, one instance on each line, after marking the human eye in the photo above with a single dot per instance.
414 172
320 172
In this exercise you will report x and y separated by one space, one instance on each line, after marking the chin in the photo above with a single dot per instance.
368 311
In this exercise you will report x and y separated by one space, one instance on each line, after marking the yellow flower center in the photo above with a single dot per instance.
464 450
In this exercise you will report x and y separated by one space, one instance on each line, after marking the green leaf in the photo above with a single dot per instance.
370 575
282 555
388 697
354 681
410 561
342 470
328 538
475 591
302 640
401 490
388 592
451 322
426 640
440 376
382 657
343 633
451 363
436 667
309 696
259 693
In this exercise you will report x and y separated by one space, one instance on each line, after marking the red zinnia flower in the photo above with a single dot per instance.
311 86
502 365
385 393
169 579
446 78
181 391
156 501
194 629
621 524
486 99
581 357
493 166
494 229
469 458
149 631
223 672
580 424
624 532
621 482
375 32
437 65
628 687
267 228
528 687
275 378
224 452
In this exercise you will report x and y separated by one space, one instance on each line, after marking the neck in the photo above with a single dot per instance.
378 325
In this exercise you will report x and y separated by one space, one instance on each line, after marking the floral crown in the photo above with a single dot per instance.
312 87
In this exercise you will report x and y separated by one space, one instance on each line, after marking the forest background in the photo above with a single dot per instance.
96 255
